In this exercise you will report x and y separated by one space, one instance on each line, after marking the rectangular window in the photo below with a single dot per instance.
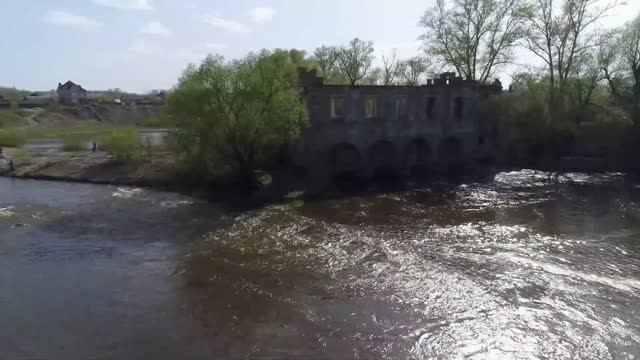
402 107
459 107
370 108
337 107
431 107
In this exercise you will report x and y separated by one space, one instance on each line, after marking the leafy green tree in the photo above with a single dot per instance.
234 114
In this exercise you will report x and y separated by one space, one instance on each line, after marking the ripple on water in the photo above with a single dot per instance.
474 271
7 211
126 193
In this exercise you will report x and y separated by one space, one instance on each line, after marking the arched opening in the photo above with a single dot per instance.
458 108
417 156
346 160
451 149
382 158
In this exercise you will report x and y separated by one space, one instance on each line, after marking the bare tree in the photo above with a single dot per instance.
390 67
560 33
355 60
586 75
413 70
326 58
474 36
374 77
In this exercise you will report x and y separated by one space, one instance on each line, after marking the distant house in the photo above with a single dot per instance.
71 93
4 102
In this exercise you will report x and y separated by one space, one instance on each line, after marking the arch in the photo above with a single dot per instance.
382 156
451 149
417 156
345 159
417 153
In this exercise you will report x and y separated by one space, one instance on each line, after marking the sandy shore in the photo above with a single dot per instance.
85 166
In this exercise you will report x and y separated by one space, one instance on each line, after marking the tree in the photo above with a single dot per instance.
630 48
355 60
560 35
326 59
390 69
412 71
474 36
235 113
373 77
621 61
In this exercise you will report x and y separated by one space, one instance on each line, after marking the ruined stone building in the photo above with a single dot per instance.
364 129
71 93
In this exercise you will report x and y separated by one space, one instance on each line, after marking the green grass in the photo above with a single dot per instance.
10 118
11 138
65 129
160 120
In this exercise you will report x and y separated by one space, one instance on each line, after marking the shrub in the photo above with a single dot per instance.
74 143
124 144
11 138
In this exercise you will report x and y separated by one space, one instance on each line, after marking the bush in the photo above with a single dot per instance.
74 143
10 138
124 144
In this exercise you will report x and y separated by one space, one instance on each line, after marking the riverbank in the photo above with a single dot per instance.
85 166
157 171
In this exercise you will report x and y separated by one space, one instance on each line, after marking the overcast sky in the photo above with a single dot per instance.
139 45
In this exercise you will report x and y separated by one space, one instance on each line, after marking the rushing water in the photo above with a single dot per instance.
513 268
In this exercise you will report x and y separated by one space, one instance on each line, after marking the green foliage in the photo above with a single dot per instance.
533 126
238 113
75 142
10 138
124 144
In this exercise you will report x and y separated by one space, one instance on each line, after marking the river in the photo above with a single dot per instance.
510 268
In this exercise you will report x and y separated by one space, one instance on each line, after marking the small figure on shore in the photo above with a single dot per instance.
11 165
94 147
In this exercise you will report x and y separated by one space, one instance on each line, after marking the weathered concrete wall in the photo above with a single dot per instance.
394 139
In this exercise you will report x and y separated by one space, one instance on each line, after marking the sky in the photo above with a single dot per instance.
140 45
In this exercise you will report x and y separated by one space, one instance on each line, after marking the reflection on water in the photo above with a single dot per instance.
513 268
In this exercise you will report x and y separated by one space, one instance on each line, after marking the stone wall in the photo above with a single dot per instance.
428 126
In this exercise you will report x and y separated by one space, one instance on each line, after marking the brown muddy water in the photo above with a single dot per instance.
510 268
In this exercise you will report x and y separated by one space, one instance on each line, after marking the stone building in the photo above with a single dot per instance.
366 129
71 93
